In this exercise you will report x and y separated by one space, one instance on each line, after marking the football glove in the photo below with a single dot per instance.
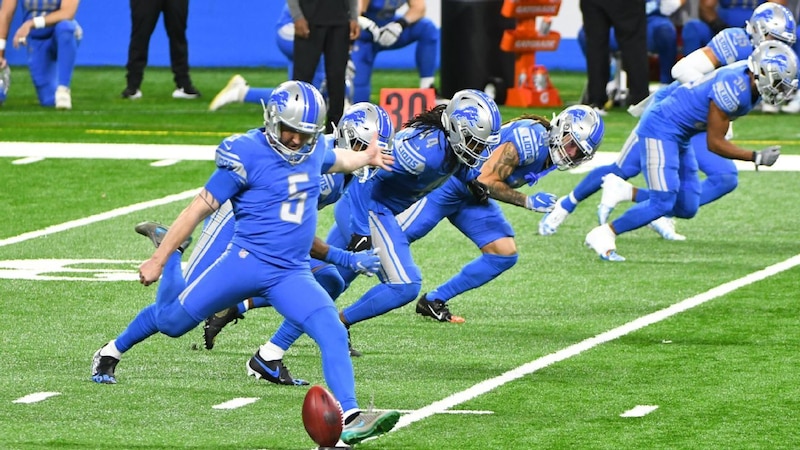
767 157
541 202
389 33
479 191
367 24
364 262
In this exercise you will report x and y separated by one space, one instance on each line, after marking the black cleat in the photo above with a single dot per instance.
131 93
217 322
155 231
103 368
273 371
436 309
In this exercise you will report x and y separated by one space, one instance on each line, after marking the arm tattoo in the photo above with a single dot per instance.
209 200
502 169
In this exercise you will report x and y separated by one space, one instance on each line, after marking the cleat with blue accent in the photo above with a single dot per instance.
368 425
273 371
155 231
602 240
103 368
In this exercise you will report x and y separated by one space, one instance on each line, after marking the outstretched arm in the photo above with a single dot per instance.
718 123
348 160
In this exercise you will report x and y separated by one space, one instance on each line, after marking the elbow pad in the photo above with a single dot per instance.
692 67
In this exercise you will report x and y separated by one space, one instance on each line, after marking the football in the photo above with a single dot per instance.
322 416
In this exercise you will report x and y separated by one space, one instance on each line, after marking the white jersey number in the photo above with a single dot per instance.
292 210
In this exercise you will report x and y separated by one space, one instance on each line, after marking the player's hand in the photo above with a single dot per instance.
376 156
389 34
479 191
368 25
150 272
541 202
767 157
366 262
21 36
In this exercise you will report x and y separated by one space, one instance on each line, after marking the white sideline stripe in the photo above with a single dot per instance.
236 403
639 411
575 349
98 217
160 153
36 397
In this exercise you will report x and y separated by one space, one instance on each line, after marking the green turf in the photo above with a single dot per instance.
723 375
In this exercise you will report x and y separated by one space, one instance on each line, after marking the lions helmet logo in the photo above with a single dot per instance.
470 114
358 117
281 99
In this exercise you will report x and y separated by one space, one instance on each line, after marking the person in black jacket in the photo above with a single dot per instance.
324 27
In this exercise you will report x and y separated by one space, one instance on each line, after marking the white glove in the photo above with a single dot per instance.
389 34
367 24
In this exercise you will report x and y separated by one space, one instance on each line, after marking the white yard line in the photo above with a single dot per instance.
98 217
576 349
36 397
236 403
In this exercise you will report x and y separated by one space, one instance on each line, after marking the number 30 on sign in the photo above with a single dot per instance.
404 103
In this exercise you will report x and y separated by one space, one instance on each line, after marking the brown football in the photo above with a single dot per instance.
322 416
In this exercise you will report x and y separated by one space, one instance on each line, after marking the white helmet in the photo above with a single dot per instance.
771 19
472 121
774 67
579 124
361 123
299 107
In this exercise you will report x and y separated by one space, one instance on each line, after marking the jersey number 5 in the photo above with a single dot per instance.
292 209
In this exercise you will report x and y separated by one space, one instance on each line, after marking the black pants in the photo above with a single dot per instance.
630 28
144 16
334 42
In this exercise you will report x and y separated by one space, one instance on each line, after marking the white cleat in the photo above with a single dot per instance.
770 109
552 220
615 190
665 226
233 92
63 98
603 241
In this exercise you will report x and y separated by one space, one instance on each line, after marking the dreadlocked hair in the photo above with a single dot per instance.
431 118
540 119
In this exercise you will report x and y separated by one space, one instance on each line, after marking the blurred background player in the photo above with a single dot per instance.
715 16
530 147
384 29
144 16
52 36
239 91
662 137
769 21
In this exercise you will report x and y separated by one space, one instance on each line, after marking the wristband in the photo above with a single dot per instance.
38 22
755 157
2 44
403 22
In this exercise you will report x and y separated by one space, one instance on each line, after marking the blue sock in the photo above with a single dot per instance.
478 272
286 335
381 299
141 327
330 335
254 95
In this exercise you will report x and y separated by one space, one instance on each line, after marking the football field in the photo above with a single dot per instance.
685 345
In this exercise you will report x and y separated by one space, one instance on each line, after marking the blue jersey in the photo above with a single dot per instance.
274 202
381 11
530 139
684 112
731 45
33 8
